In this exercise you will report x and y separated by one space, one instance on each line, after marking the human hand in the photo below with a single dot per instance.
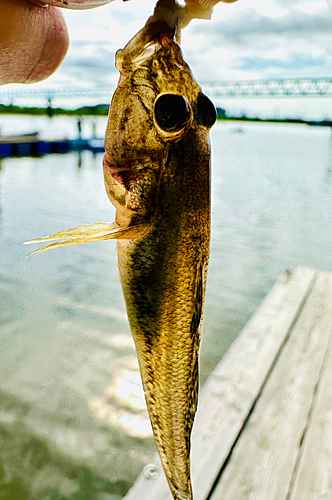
33 41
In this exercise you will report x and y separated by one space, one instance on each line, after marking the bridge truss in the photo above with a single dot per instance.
318 87
300 87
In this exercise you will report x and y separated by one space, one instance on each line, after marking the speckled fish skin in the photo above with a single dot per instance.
159 182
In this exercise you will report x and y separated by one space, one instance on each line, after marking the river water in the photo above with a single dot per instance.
72 418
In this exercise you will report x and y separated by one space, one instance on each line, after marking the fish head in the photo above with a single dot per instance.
156 103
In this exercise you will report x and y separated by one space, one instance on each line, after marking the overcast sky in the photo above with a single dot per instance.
244 40
248 39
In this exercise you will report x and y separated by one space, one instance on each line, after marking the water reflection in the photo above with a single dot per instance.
123 404
327 179
1 167
73 423
79 159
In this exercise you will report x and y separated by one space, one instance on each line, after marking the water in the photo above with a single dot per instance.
72 418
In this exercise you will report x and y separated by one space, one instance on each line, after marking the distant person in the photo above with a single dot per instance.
94 129
79 127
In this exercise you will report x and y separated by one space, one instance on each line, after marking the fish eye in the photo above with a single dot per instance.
171 112
206 111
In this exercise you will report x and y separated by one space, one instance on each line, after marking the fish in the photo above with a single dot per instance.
157 175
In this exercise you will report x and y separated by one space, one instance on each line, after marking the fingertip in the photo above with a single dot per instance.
53 46
33 41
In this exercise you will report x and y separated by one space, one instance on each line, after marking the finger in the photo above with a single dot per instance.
33 41
75 4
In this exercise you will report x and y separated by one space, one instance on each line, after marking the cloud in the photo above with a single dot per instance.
291 63
272 42
88 65
252 23
244 40
95 36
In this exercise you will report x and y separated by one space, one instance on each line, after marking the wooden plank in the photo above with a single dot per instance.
232 389
262 463
314 475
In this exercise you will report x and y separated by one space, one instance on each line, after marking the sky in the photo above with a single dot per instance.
243 40
248 39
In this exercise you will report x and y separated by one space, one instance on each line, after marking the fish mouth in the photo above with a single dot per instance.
154 36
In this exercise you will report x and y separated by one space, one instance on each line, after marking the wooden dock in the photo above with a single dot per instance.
263 429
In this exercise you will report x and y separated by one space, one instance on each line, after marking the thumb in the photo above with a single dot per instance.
33 41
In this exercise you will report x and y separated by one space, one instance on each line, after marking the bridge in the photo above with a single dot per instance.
304 87
295 87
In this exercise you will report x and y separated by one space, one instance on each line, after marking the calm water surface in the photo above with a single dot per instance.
72 417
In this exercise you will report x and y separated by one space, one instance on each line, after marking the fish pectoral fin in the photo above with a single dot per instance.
76 232
87 233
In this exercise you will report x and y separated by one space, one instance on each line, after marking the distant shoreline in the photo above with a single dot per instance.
102 110
296 121
99 110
